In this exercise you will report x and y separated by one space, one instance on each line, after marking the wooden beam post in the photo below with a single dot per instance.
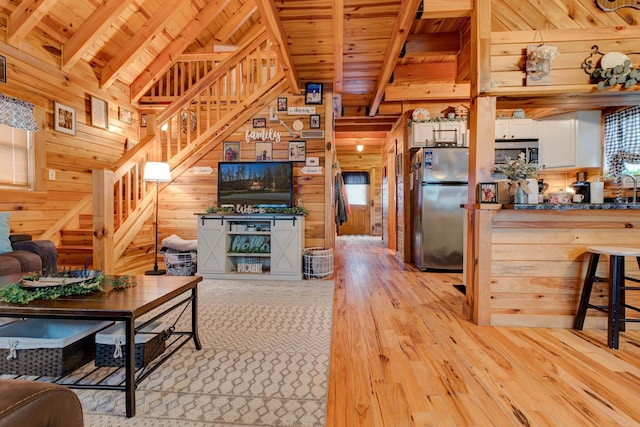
103 226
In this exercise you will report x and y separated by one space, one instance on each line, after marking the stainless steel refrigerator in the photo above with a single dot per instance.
439 186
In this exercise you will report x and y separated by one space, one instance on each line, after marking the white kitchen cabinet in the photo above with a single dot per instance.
571 140
426 134
264 246
516 129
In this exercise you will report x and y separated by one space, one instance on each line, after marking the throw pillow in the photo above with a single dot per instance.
5 243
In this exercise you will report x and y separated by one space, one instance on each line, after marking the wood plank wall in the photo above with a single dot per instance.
539 261
191 193
39 80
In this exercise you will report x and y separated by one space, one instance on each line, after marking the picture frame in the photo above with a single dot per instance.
297 151
264 151
260 122
282 104
99 113
143 120
3 69
314 121
125 115
313 93
488 192
231 151
64 119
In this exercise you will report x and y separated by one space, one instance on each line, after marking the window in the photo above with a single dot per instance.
622 141
356 185
17 140
16 158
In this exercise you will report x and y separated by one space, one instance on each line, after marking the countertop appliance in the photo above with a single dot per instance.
439 186
511 148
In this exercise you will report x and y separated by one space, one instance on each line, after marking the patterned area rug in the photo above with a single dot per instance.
264 362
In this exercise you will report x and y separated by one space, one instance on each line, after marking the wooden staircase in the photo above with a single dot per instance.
76 244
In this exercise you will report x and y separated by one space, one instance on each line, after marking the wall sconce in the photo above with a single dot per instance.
359 147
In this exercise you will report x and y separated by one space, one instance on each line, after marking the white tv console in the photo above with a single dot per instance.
258 246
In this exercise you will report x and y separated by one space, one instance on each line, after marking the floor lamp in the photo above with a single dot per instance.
158 172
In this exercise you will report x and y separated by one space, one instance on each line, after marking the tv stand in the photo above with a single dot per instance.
256 246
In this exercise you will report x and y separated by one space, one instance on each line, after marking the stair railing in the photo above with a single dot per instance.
224 95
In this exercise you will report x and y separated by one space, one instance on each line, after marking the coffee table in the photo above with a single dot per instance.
124 305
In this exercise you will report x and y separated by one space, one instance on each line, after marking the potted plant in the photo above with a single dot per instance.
518 171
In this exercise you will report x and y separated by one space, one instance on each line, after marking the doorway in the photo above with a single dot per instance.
358 189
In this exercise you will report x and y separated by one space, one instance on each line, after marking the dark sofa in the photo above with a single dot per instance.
28 256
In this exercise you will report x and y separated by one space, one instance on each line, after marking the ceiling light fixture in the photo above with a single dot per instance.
359 147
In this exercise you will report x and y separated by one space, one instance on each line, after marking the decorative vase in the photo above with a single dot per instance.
520 196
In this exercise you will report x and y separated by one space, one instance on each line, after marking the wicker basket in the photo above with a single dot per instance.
317 263
149 345
40 356
180 263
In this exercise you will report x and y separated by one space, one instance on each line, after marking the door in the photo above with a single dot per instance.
357 186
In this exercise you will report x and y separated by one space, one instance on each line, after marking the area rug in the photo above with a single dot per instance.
264 362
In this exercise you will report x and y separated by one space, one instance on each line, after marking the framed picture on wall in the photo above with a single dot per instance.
99 113
314 121
125 115
260 122
313 93
263 151
297 151
282 104
143 120
231 151
64 119
488 192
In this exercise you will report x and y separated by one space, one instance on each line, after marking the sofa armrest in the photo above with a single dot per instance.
43 248
19 237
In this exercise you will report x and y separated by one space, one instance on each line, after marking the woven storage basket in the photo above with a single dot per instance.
149 345
180 263
48 361
317 263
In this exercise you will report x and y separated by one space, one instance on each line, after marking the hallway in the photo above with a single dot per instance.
403 355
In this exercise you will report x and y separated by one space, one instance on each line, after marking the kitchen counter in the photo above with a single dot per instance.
574 207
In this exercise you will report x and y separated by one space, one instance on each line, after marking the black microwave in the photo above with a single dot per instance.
511 148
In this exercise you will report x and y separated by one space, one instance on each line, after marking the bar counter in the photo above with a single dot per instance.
538 260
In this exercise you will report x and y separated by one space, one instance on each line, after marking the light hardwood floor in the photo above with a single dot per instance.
403 355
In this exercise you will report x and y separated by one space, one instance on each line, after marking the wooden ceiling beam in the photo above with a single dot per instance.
434 9
239 17
356 135
138 42
364 128
276 33
432 44
165 59
25 18
338 44
428 91
105 15
400 33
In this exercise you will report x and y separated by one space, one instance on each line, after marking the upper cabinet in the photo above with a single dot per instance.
429 134
516 129
571 140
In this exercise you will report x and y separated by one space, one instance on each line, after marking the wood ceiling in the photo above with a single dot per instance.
376 55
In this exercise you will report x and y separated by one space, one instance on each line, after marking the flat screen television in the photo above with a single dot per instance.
259 184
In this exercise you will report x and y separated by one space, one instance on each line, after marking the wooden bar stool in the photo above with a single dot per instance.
617 306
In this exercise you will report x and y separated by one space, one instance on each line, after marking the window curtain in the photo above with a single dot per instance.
17 114
355 178
621 139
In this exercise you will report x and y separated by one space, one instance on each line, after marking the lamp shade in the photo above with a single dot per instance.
157 171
